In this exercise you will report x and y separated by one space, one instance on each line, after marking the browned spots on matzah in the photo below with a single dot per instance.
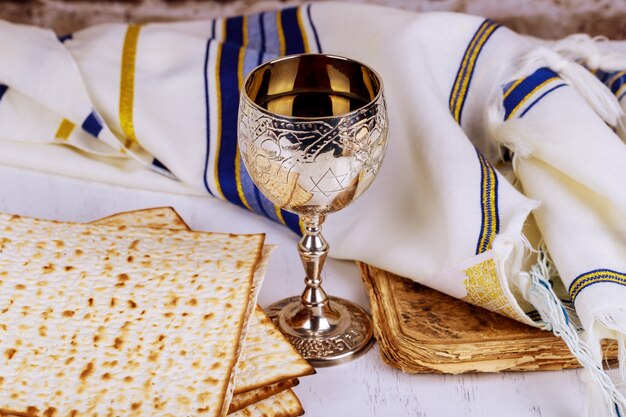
9 353
173 301
211 381
49 412
117 344
87 371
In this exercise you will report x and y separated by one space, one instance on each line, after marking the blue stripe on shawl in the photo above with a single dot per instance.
92 124
207 108
463 67
617 83
263 43
272 44
65 37
234 30
229 86
489 183
262 37
317 39
525 88
251 192
538 99
294 43
602 76
159 164
266 207
596 276
3 89
615 80
490 217
255 31
292 221
465 72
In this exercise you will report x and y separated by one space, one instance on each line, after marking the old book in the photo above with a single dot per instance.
420 330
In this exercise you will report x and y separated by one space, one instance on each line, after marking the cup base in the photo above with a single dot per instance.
331 335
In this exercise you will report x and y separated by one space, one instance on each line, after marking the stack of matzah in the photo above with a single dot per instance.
133 317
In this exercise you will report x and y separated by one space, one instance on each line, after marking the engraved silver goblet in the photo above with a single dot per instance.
312 135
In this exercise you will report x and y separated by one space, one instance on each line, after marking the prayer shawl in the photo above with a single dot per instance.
143 105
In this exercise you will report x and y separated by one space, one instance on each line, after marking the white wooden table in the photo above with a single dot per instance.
366 387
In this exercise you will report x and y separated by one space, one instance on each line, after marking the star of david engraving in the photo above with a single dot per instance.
328 183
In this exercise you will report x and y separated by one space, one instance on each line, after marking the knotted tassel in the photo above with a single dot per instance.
585 49
615 322
602 397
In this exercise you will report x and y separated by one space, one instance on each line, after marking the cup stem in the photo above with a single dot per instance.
313 249
325 330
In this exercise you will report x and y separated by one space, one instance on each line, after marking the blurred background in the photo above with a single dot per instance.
543 18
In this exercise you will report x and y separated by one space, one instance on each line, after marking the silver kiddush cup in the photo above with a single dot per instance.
312 135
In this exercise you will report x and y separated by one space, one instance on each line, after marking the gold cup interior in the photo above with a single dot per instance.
312 86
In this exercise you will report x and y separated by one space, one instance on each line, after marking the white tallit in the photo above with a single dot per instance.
446 210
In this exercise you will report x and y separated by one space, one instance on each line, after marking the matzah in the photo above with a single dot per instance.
160 217
283 404
257 280
244 399
268 358
114 320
